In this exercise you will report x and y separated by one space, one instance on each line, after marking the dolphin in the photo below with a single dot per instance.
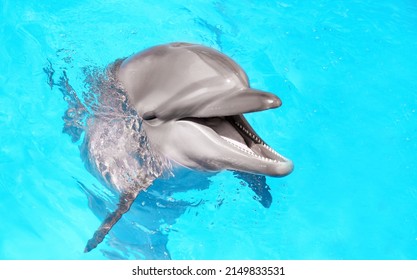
191 99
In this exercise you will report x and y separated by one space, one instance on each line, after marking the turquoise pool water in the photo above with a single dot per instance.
345 71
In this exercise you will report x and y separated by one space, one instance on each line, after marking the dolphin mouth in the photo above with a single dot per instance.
252 143
239 135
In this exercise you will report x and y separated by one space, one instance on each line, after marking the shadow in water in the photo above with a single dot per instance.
257 183
142 233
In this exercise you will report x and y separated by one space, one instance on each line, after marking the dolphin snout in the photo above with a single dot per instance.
271 101
281 169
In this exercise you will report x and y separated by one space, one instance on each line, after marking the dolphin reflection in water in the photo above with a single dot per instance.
185 106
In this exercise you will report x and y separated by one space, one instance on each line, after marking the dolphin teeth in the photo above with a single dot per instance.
256 139
239 147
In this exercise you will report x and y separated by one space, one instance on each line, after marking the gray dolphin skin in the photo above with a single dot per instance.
192 99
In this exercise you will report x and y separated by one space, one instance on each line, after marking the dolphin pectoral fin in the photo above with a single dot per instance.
125 201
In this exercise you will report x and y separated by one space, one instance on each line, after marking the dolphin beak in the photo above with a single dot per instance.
220 121
247 100
233 140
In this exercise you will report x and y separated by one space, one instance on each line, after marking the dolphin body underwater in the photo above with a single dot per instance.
191 100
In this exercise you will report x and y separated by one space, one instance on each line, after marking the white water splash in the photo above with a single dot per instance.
115 147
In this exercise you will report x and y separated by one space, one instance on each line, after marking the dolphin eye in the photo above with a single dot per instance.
148 116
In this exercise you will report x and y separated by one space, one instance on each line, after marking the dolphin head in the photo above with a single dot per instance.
192 100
